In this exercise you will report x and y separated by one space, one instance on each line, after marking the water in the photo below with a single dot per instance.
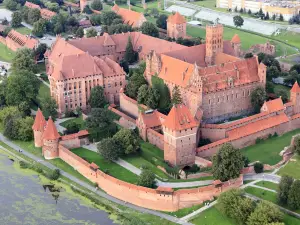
25 201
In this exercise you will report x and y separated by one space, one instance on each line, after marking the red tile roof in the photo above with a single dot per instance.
180 118
22 40
128 16
76 135
153 119
236 39
47 14
176 18
273 106
32 5
50 132
295 88
39 121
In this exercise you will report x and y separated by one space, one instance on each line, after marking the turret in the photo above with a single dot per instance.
295 97
180 134
236 45
176 26
213 43
50 140
38 128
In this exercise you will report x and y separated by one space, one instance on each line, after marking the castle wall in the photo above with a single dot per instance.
155 138
130 106
71 143
212 134
141 196
38 140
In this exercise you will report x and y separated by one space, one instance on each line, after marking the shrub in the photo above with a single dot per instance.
23 165
258 167
55 174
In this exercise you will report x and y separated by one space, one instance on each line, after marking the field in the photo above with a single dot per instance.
6 54
23 30
112 168
268 150
263 194
44 92
267 184
77 120
292 168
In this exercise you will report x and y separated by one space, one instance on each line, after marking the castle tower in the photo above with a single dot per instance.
82 4
295 97
180 134
50 139
176 26
236 45
38 129
214 42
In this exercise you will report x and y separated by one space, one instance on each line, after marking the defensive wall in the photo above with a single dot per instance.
155 138
163 199
130 106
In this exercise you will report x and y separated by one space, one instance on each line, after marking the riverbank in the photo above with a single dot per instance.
124 213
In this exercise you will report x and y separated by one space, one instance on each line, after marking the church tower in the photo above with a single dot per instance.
214 42
180 134
38 128
295 97
50 139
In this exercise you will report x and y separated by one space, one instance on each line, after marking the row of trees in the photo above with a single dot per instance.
260 14
243 210
289 192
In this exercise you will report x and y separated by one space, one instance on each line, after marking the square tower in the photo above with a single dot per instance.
214 42
176 26
180 136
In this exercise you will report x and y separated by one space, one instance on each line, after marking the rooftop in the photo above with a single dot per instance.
176 18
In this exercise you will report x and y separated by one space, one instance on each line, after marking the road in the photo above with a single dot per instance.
263 176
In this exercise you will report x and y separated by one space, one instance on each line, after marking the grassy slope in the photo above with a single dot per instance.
6 54
267 184
291 169
263 194
268 150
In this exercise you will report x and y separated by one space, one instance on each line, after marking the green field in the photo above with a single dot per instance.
263 194
23 30
292 168
183 212
113 169
44 92
77 120
6 54
267 184
267 151
286 89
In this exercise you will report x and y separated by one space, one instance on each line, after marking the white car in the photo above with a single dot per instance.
43 38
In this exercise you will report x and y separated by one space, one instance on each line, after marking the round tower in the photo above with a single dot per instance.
50 141
38 129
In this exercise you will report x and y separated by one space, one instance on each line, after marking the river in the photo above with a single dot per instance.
25 200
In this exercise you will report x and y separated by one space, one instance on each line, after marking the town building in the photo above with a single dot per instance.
15 40
45 13
287 9
132 18
176 26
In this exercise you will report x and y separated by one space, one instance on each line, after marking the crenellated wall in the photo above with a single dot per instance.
157 199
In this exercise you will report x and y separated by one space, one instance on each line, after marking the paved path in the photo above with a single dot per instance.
263 176
137 171
263 188
91 188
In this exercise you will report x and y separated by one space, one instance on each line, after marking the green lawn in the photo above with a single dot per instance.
268 150
44 92
291 59
6 54
23 30
77 120
278 87
267 184
292 168
289 37
41 68
183 212
263 194
113 169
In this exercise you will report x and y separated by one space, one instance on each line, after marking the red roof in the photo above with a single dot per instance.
76 135
47 14
32 5
50 132
128 16
165 189
152 119
236 39
39 122
94 166
273 106
180 118
177 18
295 88
22 40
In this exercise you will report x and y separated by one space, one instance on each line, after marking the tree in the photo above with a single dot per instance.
10 128
165 99
258 97
150 29
10 4
24 125
241 10
124 65
258 167
117 21
16 19
108 17
97 98
118 28
135 82
261 56
9 111
21 87
24 107
267 17
146 179
248 55
23 60
127 140
292 78
283 95
238 21
152 98
270 87
295 67
97 5
176 96
49 107
227 163
232 204
297 145
99 118
39 28
281 17
246 161
265 213
284 188
87 10
72 127
130 55
80 32
161 21
40 51
294 195
142 94
249 12
34 15
96 19
274 17
272 72
109 149
91 32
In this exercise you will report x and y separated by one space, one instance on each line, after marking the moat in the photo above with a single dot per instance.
26 200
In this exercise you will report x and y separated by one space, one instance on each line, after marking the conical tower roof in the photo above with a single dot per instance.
51 131
177 18
39 122
295 88
236 39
